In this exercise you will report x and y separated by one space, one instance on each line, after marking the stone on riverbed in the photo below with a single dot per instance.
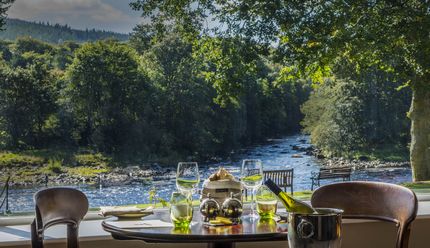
296 156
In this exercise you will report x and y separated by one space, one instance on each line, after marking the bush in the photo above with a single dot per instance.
54 166
92 160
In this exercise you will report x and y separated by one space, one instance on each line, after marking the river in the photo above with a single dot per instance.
275 154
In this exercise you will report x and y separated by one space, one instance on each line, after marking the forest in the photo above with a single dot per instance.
53 33
162 101
176 90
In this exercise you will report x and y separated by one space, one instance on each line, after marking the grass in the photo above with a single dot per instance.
303 195
86 171
419 187
389 153
92 160
24 165
15 160
53 167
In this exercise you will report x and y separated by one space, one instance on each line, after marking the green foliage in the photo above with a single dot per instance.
28 44
347 117
142 37
4 6
54 166
54 33
319 39
153 198
105 92
183 119
384 152
5 51
333 116
26 100
14 160
176 98
91 160
228 65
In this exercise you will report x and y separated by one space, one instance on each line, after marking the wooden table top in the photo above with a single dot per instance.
258 230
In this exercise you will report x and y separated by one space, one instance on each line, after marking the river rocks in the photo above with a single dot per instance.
116 176
360 164
363 158
303 148
295 147
320 156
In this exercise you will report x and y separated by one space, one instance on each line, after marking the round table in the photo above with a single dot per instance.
215 237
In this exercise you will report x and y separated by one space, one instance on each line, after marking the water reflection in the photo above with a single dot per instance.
266 225
181 230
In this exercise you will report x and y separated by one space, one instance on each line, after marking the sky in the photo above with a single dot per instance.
112 15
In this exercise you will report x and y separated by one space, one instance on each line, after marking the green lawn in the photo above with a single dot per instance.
388 152
27 164
419 187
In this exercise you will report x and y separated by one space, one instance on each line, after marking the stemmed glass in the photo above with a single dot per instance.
251 176
187 177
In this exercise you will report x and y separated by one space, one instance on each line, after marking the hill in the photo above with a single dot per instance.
54 33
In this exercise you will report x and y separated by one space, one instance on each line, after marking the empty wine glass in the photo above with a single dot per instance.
187 177
252 177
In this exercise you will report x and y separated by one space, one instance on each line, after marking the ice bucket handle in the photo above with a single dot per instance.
305 229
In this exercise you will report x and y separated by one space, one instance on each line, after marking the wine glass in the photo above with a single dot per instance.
251 176
187 177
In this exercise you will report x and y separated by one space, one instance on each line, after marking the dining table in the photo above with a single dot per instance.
226 236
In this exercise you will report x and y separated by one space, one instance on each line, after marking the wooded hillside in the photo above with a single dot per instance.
54 33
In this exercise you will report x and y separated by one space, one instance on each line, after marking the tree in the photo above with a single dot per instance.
5 52
26 101
28 44
104 93
142 37
4 6
181 98
316 35
227 65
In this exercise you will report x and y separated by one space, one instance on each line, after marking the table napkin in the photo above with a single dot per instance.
140 224
116 211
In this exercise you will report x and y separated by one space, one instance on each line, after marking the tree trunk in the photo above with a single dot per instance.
420 133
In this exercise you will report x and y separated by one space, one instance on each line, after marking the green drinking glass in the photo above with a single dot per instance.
267 203
181 209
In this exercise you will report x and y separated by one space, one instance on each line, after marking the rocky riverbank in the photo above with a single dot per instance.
357 164
360 165
144 174
97 171
99 176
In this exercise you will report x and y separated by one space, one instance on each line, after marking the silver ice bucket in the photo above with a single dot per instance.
317 230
